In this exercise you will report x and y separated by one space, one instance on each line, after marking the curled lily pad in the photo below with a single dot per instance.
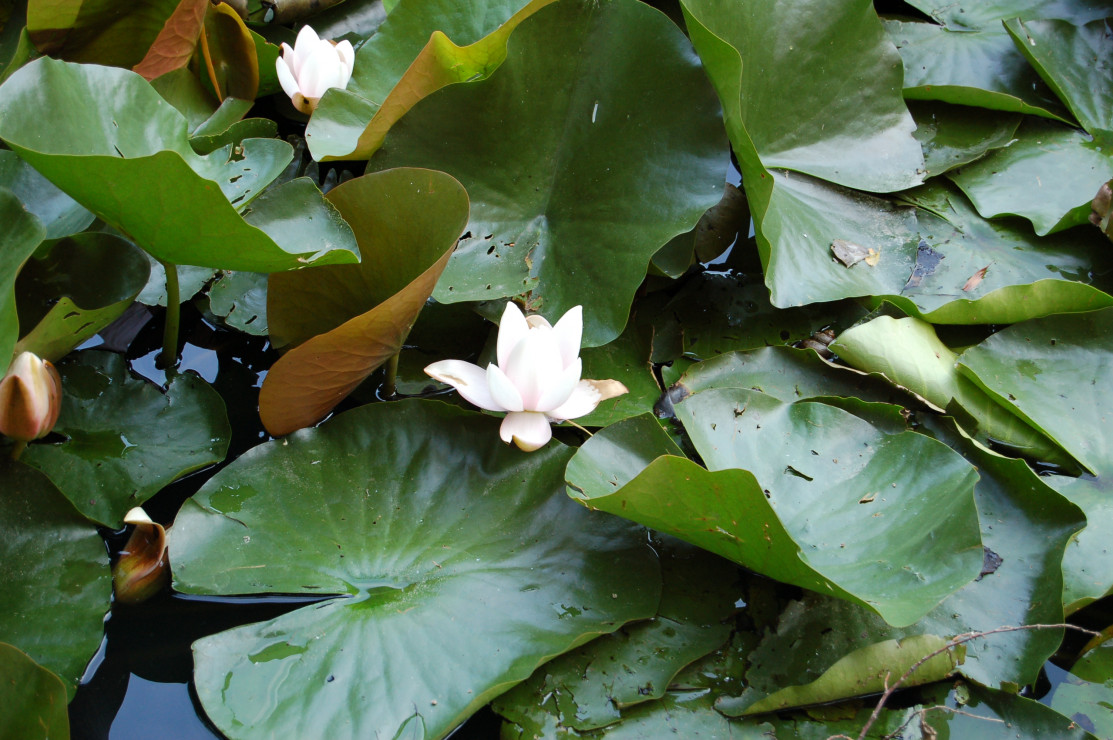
456 566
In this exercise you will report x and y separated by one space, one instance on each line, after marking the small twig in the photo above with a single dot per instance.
960 639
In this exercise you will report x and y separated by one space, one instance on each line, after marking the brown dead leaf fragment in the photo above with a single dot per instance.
975 279
174 45
851 254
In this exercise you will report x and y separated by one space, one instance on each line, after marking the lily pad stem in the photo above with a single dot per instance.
169 356
388 388
20 446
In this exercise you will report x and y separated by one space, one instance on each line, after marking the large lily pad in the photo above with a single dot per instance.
578 183
60 306
954 135
591 687
55 582
126 438
970 66
909 354
60 214
1068 358
22 233
34 698
460 566
774 527
1077 62
856 133
1048 175
122 152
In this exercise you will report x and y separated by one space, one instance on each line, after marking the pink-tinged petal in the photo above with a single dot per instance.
569 331
469 380
512 329
304 47
286 77
527 429
502 390
533 366
347 56
586 396
556 394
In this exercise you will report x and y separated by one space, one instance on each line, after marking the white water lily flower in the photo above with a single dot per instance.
537 378
312 66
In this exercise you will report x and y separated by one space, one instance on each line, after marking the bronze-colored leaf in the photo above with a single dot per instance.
309 380
143 569
176 42
348 322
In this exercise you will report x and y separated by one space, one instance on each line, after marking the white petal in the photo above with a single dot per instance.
469 380
533 366
569 330
286 77
309 77
586 396
554 395
529 430
304 46
512 329
347 57
502 390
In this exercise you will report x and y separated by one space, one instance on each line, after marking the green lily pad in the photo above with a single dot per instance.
571 185
459 564
954 135
21 236
631 469
60 214
1077 62
34 698
626 360
856 132
1068 358
61 303
55 582
865 481
123 153
1087 569
592 686
240 298
1048 175
1084 694
909 354
126 438
979 67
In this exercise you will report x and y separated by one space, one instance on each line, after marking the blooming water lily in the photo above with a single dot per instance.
312 66
537 378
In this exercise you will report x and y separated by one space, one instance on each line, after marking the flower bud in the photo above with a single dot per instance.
142 570
30 398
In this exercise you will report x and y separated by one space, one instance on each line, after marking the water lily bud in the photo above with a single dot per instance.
312 66
142 570
537 378
30 398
